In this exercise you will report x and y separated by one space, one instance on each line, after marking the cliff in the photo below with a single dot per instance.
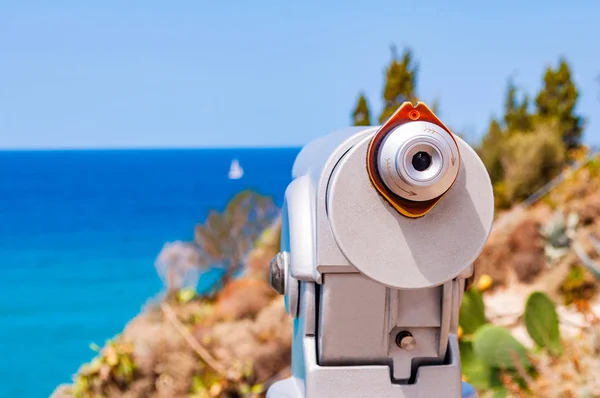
230 344
236 342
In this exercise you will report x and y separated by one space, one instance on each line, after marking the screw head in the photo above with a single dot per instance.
406 341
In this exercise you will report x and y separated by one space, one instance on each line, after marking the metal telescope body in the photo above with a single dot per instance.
373 267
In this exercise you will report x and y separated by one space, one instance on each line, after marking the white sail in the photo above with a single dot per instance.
235 170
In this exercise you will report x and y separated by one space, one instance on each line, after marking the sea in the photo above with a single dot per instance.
79 235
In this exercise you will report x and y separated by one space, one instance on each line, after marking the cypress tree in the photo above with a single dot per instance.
516 115
361 115
491 150
557 100
400 83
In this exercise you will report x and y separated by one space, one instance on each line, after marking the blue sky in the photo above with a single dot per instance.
108 74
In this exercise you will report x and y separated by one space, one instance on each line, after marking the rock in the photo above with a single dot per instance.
493 261
141 388
265 342
233 341
242 298
526 237
270 358
176 370
521 252
526 247
527 265
151 339
274 323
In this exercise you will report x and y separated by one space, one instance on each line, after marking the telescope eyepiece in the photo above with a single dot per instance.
418 161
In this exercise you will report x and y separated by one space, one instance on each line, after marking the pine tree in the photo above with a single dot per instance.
510 104
557 100
400 83
491 150
361 115
516 115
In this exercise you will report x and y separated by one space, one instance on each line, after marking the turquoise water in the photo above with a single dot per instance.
79 232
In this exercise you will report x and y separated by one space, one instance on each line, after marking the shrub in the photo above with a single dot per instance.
531 159
226 238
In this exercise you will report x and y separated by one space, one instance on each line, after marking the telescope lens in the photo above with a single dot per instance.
421 161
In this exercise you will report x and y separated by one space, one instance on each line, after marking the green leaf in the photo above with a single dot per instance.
541 321
478 373
472 311
498 348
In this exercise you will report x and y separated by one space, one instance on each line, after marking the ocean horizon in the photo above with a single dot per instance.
79 232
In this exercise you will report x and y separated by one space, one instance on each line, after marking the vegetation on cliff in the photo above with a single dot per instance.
231 341
235 341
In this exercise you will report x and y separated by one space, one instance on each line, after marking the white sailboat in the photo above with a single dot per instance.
235 170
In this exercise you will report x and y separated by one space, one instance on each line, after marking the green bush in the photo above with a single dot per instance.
530 160
472 311
488 351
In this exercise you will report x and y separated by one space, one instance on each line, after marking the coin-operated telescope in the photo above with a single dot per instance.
380 228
